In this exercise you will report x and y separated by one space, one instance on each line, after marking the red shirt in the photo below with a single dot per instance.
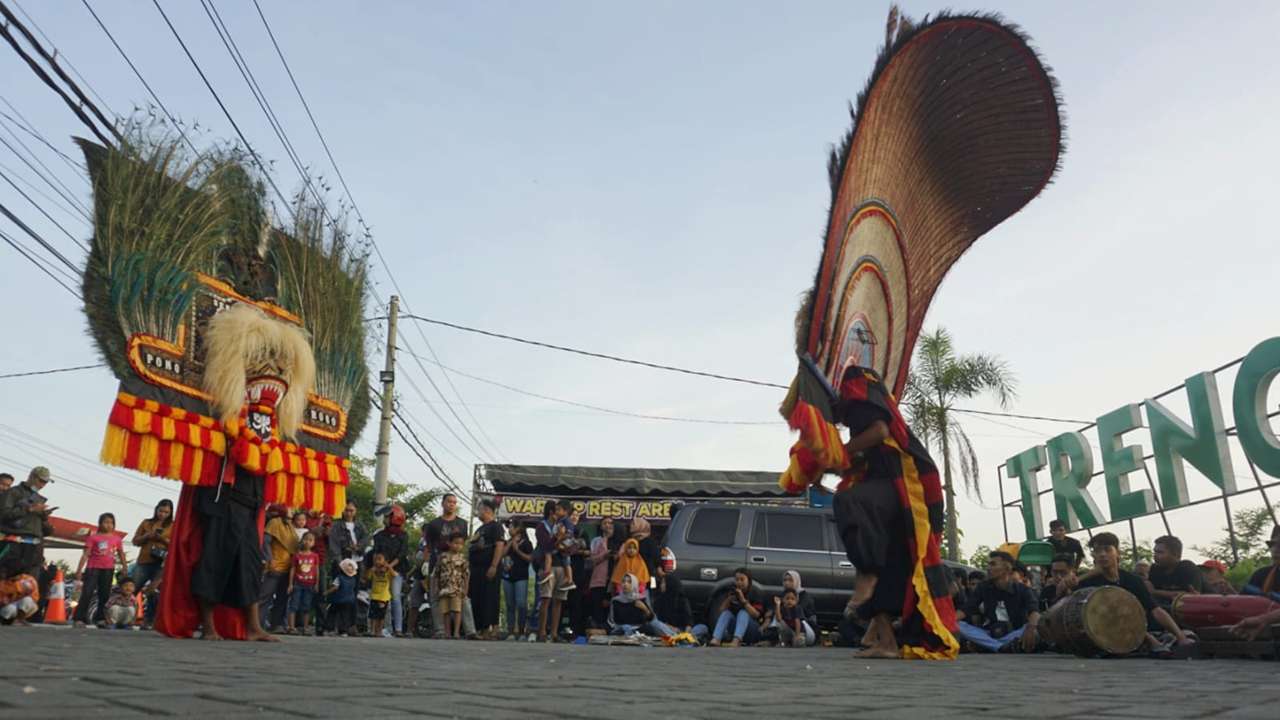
306 569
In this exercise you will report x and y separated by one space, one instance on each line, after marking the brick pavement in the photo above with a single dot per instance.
50 672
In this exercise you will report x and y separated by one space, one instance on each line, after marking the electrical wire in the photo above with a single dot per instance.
4 236
1022 417
51 372
48 176
73 69
46 196
44 212
36 236
589 353
176 123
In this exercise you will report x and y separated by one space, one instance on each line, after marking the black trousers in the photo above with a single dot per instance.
21 559
96 583
342 617
229 571
484 594
873 526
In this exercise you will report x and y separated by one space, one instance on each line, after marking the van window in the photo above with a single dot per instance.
713 526
792 531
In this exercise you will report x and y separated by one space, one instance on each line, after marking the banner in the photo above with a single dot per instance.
530 507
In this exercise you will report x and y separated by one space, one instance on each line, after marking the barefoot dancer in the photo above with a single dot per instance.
889 513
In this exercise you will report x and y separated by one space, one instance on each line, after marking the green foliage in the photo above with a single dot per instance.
939 379
979 557
1127 558
1253 527
419 505
1239 575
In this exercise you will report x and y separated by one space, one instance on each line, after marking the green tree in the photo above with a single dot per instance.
1127 556
980 556
419 504
1253 527
940 379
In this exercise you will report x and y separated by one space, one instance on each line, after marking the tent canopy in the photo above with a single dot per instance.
628 482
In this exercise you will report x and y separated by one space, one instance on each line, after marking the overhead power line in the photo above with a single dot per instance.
138 74
36 236
71 67
1023 417
589 353
44 212
76 107
35 261
51 371
609 411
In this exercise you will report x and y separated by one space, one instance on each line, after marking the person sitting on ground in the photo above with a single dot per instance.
1170 575
787 620
742 608
19 599
1107 571
1064 544
1001 611
776 631
380 577
975 577
122 608
1266 580
303 582
1214 573
672 606
102 550
1142 568
453 577
342 598
629 613
1061 583
851 628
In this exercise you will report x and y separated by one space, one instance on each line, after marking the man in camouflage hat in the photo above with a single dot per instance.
24 522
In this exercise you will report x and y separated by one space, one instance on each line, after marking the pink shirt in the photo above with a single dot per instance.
102 551
599 556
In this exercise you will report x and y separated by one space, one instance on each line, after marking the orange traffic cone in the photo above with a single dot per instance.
56 612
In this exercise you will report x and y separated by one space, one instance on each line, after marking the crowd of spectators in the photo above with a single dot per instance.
558 584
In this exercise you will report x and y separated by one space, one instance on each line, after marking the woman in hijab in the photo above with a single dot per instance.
629 613
643 534
630 563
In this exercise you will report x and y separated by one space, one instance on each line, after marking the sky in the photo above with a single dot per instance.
648 180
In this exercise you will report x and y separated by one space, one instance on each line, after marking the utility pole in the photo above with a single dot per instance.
388 378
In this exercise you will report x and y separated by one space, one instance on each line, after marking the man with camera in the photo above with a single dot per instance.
24 522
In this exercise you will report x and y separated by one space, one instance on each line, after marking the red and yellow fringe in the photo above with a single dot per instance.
819 450
169 442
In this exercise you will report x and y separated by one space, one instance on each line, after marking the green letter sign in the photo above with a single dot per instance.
1205 447
1071 468
1250 403
1023 466
1120 460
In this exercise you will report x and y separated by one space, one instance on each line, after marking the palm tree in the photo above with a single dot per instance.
939 379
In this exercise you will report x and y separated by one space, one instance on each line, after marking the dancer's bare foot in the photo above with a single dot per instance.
863 587
210 634
877 652
260 635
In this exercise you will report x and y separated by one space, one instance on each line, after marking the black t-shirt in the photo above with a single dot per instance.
671 606
517 568
627 613
391 546
1128 581
753 598
1048 596
1181 577
1259 579
1068 546
1001 609
544 536
483 543
438 532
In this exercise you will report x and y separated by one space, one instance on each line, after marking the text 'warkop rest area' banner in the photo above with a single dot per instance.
530 506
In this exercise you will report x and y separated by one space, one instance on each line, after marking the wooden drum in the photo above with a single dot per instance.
1202 611
1095 621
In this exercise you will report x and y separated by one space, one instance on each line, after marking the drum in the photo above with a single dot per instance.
1096 621
1201 611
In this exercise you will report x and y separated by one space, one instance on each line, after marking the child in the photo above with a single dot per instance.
122 606
98 565
379 578
303 582
19 599
453 576
342 598
788 619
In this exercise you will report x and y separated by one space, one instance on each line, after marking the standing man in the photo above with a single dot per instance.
1064 544
1001 611
1106 563
24 522
346 539
1170 575
6 482
439 531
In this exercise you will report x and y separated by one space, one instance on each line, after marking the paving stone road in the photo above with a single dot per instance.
48 672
